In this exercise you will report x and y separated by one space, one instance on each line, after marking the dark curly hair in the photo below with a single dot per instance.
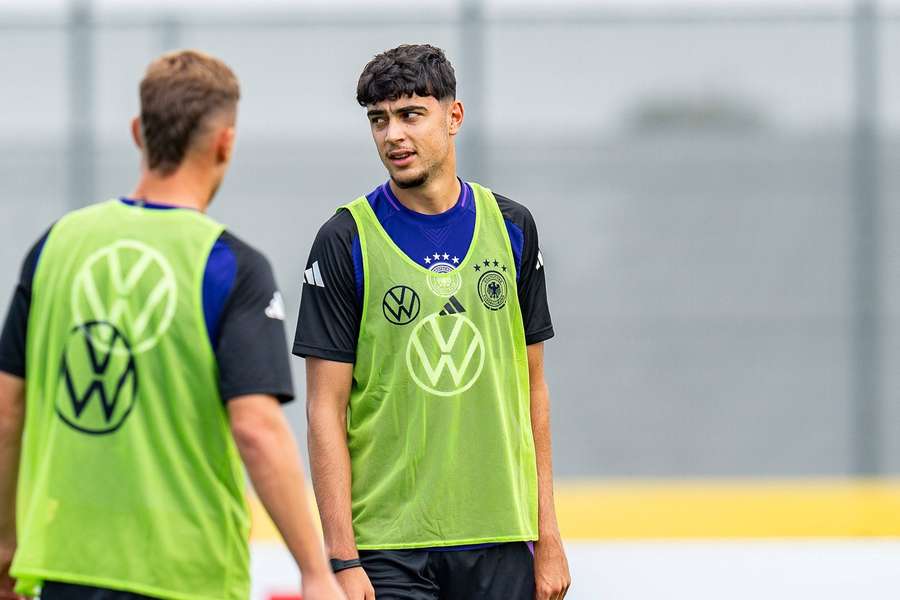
420 69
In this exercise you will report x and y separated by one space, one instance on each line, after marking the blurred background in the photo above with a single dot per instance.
713 187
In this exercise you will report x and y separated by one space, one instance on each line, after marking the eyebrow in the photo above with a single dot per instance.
411 107
406 108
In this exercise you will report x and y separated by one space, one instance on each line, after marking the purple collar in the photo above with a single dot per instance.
152 205
441 218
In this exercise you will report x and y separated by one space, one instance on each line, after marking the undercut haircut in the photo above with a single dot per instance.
180 93
421 70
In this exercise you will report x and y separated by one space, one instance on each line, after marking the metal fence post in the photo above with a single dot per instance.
473 157
866 250
80 153
169 34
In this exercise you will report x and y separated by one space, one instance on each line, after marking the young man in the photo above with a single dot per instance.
423 320
142 358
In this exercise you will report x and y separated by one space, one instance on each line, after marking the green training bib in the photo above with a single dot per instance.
439 423
129 477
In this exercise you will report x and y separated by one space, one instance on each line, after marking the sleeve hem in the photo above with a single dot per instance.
281 395
537 337
13 369
305 351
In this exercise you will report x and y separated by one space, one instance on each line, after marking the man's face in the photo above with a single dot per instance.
413 136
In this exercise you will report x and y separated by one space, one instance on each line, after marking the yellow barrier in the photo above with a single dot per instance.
679 509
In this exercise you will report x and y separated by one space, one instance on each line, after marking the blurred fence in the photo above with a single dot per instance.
712 190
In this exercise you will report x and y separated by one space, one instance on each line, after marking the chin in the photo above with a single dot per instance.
410 181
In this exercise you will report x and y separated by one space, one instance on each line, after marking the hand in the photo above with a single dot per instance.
551 569
7 583
321 587
356 584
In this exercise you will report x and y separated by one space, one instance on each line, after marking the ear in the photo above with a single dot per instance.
225 144
136 133
457 113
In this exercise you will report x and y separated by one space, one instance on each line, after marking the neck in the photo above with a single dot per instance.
186 188
439 194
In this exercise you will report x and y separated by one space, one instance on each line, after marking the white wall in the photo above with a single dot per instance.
703 570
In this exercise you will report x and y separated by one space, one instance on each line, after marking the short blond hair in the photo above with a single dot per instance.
180 91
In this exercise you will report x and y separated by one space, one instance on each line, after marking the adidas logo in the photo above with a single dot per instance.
275 310
540 261
453 307
313 276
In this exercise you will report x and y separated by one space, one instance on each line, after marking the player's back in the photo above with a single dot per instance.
129 477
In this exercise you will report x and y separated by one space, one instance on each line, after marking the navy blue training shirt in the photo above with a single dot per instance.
429 239
238 288
331 308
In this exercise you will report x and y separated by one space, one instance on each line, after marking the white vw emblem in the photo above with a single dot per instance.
130 285
444 279
447 362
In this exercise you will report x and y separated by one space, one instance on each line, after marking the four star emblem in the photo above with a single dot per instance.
487 263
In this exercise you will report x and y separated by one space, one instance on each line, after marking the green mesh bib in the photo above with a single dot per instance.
439 425
129 476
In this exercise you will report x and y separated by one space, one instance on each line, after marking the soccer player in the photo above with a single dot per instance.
143 356
423 318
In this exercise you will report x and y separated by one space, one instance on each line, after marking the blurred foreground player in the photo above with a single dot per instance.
143 356
423 320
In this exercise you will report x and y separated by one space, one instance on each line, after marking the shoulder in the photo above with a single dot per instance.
29 264
514 212
335 240
34 253
247 260
88 212
339 230
519 221
241 250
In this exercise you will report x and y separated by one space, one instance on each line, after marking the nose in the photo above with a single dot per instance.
393 132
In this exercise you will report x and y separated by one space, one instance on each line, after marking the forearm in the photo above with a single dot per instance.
540 428
12 417
540 425
330 466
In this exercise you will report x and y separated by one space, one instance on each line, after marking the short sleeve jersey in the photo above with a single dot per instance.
243 310
331 305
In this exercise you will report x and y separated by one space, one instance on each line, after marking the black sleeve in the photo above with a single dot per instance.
532 285
15 329
252 348
330 311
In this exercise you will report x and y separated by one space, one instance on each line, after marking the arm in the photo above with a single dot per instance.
12 410
270 454
551 569
327 331
12 418
254 376
328 393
